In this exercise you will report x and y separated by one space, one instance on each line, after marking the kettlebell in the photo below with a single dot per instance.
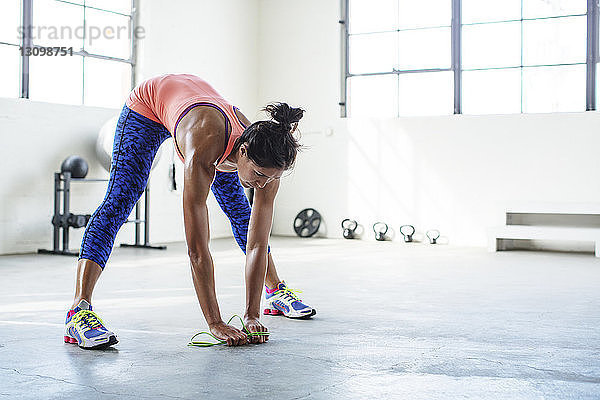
380 229
349 226
404 230
433 235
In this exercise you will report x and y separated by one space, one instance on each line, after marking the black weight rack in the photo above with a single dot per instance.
66 220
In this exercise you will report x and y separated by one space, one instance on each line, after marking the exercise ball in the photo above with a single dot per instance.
76 165
104 144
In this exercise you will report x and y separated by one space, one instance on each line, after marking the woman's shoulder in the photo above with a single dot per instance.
203 128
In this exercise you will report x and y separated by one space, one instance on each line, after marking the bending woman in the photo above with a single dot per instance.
221 151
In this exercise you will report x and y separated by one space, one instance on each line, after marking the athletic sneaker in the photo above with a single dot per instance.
284 301
86 329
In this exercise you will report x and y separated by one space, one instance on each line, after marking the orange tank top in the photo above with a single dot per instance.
166 99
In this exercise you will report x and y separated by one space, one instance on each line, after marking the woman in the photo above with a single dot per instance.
218 147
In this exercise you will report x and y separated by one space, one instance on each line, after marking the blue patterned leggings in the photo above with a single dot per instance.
137 140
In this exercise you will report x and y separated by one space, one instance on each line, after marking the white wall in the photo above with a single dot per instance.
454 173
458 173
300 65
37 137
216 40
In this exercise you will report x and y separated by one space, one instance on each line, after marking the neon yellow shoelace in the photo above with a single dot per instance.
220 341
290 293
88 318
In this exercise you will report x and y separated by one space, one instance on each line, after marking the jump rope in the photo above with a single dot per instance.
196 343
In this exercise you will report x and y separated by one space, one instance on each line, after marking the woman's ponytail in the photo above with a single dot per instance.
271 144
285 115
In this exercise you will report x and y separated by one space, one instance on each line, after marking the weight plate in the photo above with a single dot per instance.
307 222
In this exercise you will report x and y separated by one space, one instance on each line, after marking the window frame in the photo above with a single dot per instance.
26 41
591 61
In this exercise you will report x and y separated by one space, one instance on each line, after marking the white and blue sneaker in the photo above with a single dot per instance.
284 301
85 328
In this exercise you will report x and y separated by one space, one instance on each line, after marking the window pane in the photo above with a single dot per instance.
373 96
108 34
554 89
373 15
490 10
553 8
426 48
57 24
9 71
107 83
56 79
492 91
493 45
421 14
429 93
554 41
377 52
122 6
10 21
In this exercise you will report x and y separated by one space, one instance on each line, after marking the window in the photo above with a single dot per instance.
398 50
523 56
98 36
468 56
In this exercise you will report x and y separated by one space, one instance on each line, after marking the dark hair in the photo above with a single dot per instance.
271 144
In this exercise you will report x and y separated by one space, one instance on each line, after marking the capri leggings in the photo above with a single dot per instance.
137 140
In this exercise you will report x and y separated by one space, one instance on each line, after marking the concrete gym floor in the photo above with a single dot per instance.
394 321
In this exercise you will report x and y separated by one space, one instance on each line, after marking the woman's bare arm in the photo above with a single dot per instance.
259 229
202 142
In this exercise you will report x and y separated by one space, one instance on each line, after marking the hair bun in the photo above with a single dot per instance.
284 114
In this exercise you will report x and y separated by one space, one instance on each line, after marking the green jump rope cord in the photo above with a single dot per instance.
220 341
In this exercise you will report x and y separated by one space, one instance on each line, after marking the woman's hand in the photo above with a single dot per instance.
254 325
231 334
